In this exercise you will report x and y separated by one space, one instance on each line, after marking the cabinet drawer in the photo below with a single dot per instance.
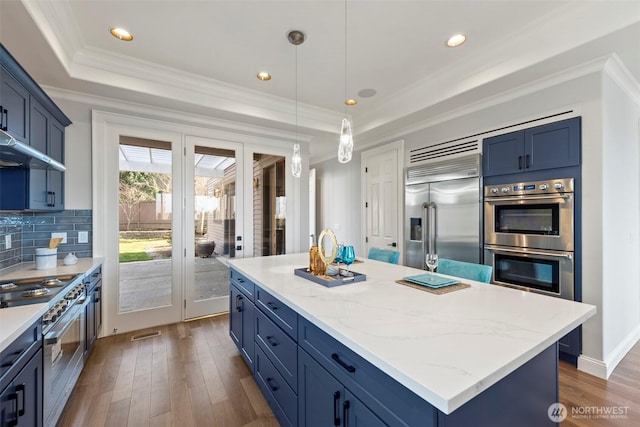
279 348
387 398
279 313
246 286
18 353
281 398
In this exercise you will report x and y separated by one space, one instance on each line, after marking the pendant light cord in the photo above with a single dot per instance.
345 58
296 94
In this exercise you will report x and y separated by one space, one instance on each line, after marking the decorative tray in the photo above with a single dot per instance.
431 280
330 281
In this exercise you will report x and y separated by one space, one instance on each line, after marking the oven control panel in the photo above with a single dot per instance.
58 309
552 186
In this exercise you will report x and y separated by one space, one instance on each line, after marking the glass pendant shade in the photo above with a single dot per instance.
345 149
296 161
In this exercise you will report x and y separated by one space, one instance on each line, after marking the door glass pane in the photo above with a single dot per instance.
145 195
214 192
269 205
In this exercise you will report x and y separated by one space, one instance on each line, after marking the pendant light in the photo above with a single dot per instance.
345 148
296 38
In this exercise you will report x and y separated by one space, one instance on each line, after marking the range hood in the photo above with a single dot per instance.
14 153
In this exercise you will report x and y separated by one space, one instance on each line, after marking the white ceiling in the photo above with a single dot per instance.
202 56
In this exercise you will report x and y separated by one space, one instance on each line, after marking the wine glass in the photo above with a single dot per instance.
432 262
348 256
340 254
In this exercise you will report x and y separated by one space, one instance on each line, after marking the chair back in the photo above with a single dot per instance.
466 270
385 255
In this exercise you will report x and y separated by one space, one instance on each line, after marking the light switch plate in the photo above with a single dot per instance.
63 235
83 237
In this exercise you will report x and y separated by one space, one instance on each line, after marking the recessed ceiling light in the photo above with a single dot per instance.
263 75
351 102
367 93
456 40
121 34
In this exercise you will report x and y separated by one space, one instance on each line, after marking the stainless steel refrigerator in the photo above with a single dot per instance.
443 212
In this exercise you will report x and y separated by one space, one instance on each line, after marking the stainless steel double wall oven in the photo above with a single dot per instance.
529 235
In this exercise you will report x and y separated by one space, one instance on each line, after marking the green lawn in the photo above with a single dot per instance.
134 249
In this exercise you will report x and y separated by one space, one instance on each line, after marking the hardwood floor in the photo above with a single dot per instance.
193 375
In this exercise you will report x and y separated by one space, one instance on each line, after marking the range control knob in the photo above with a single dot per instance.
505 189
558 186
494 191
544 186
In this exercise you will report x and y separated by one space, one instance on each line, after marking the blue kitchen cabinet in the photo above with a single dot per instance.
93 310
550 146
324 401
242 319
14 103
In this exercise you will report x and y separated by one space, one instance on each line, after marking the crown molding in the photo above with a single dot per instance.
234 130
615 69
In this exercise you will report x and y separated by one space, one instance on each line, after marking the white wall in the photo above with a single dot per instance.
621 216
338 201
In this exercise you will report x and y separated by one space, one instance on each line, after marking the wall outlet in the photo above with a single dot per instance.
63 235
83 237
7 241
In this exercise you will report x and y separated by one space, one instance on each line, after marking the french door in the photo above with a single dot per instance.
213 193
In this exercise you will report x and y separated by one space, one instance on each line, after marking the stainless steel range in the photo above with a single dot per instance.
63 328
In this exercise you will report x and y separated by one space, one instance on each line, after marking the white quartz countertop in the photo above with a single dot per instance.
445 348
15 320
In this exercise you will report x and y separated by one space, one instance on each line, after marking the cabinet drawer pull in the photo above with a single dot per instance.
9 364
526 161
349 368
345 412
272 341
336 403
20 388
14 405
272 306
519 162
272 384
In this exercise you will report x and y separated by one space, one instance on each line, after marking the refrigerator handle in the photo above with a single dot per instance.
432 228
425 233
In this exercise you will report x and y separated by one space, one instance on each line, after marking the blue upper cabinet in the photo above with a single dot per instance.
550 146
14 107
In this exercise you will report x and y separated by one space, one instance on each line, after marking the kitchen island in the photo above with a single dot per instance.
472 354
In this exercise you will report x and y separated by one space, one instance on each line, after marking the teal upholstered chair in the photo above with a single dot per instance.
384 255
466 270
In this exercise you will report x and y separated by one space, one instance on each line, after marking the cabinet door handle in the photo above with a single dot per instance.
20 388
1 117
345 412
350 368
272 384
51 196
272 306
238 299
526 161
5 123
519 162
336 403
14 421
272 341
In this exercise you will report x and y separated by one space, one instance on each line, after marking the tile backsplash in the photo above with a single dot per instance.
30 230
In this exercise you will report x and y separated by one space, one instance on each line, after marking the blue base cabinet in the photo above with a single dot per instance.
242 315
310 379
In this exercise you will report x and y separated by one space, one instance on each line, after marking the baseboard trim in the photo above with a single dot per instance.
604 369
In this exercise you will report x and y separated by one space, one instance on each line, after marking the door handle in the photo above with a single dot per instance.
1 117
20 388
394 244
272 384
350 368
271 341
345 412
336 403
14 398
5 122
526 162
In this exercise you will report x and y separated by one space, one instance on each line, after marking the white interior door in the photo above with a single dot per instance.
382 179
213 201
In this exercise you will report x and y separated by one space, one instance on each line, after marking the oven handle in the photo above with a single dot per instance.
567 255
53 336
494 200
